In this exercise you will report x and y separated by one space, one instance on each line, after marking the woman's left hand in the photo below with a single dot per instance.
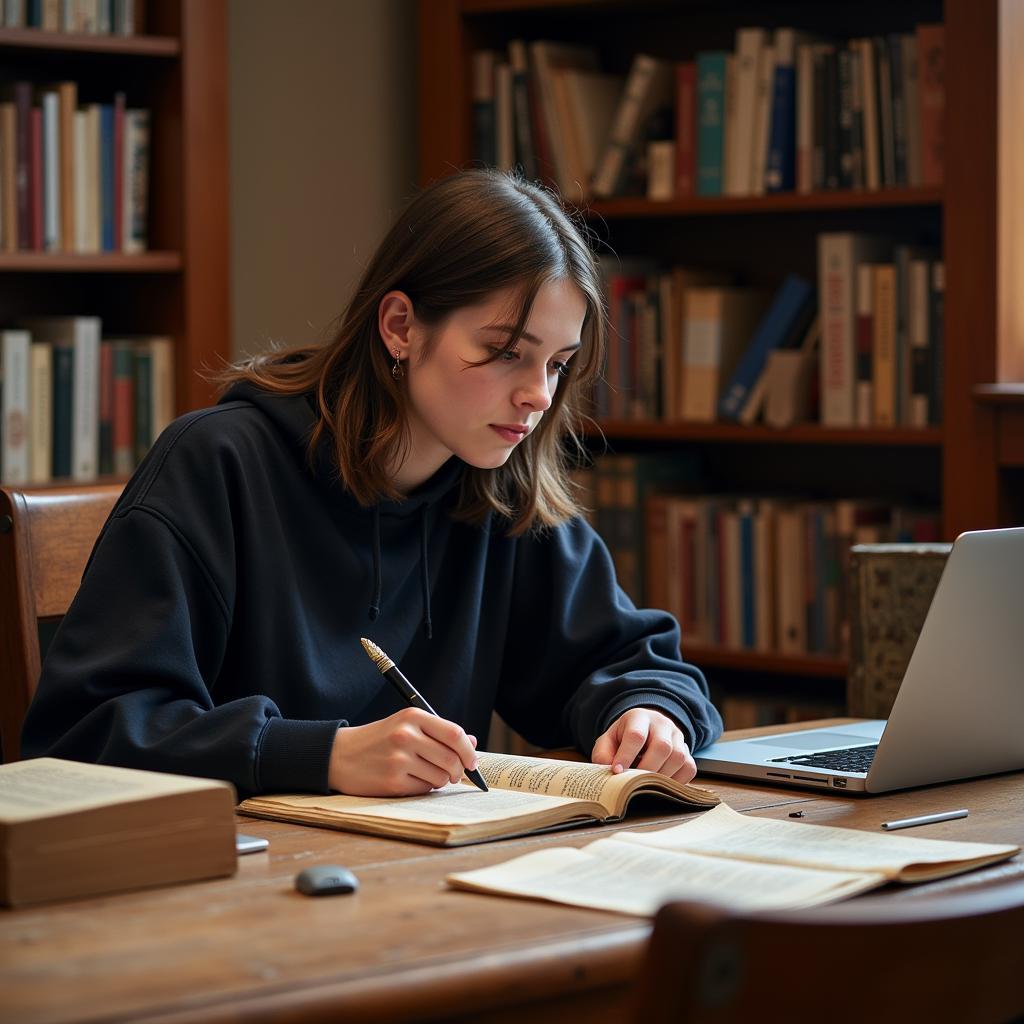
648 732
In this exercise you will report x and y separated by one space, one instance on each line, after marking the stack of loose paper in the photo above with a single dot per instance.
725 857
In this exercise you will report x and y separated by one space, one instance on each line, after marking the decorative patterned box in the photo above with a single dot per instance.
891 588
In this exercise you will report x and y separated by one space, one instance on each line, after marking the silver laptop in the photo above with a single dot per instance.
960 708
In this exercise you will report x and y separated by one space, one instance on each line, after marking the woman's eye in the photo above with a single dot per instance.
509 355
562 369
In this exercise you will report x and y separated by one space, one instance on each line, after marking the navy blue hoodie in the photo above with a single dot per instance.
217 628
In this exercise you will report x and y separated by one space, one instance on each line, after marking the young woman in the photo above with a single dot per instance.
406 482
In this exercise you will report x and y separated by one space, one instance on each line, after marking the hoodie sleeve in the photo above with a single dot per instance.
130 675
580 654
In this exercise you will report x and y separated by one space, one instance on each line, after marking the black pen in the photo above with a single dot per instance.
390 671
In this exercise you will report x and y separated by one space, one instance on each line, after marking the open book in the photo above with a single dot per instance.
727 857
527 794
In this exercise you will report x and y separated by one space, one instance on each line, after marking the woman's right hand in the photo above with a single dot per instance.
408 753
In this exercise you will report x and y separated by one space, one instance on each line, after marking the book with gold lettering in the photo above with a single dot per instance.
527 794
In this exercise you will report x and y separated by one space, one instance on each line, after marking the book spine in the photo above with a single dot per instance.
936 330
710 123
124 407
22 157
932 100
484 120
106 408
106 143
85 399
836 271
14 401
41 413
780 170
52 221
63 370
918 414
686 129
865 345
885 345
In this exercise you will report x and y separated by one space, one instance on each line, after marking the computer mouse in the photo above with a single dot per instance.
326 880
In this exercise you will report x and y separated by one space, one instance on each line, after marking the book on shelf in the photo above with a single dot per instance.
649 86
726 857
73 177
783 323
70 829
789 378
527 795
719 324
92 17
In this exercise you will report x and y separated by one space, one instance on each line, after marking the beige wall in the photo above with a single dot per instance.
322 123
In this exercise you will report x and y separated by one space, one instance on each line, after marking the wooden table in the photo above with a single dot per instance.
404 947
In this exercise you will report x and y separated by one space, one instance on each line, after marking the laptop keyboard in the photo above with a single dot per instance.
850 759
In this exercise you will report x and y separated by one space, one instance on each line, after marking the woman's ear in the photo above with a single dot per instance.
396 323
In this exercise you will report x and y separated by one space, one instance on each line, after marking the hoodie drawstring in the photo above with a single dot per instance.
375 603
374 610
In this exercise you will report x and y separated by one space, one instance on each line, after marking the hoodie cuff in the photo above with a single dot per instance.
649 699
294 756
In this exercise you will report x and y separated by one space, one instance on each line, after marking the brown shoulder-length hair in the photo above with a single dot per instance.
458 242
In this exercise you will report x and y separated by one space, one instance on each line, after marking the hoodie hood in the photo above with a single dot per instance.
295 417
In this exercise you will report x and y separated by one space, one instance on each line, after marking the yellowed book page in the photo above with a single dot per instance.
577 780
723 832
45 786
631 879
454 804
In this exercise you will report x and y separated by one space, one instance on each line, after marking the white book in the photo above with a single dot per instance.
91 159
749 44
762 119
52 240
162 391
135 184
40 433
14 406
83 332
839 253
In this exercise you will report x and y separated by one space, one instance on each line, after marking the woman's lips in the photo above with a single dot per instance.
513 433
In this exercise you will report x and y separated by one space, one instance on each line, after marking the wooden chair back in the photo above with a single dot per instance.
879 959
46 536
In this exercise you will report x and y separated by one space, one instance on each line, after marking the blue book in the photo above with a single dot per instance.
780 166
107 178
710 122
788 315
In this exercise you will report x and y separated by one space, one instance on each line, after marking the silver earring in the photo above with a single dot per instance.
396 370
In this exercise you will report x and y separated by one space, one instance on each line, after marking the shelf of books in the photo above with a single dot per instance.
113 232
801 279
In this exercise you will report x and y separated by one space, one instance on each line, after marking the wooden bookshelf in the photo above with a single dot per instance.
965 478
180 287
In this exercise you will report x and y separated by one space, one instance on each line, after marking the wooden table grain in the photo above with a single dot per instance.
404 947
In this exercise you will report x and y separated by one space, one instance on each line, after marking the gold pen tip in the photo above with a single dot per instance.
377 656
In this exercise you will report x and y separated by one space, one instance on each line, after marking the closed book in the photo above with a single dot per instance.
70 829
911 107
9 175
719 325
884 349
63 370
484 113
106 150
686 129
546 58
780 165
67 93
22 92
932 101
790 546
804 170
711 85
123 439
749 43
40 434
52 216
135 187
838 256
504 120
936 332
865 343
526 148
106 408
785 320
899 116
14 406
869 105
762 119
919 338
592 97
649 86
80 334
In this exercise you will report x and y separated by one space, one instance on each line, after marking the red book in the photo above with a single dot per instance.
23 152
686 128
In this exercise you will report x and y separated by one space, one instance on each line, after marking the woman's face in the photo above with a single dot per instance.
481 412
